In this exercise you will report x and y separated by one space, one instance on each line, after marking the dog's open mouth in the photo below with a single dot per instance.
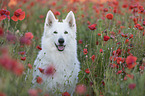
60 47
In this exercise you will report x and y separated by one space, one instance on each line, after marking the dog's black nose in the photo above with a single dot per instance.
61 40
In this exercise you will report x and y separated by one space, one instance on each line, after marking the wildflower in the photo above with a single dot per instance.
41 70
141 67
18 15
131 36
93 58
11 64
85 51
92 27
22 52
124 6
39 80
87 71
106 38
41 16
38 47
126 41
1 32
4 14
23 58
50 70
29 35
57 13
103 83
99 34
25 41
65 94
29 66
97 43
105 9
119 72
125 78
101 50
80 41
120 60
115 10
33 92
131 61
132 86
143 23
80 89
109 16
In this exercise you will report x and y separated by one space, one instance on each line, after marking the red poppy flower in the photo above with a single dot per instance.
131 36
41 70
80 41
87 71
101 50
120 60
93 58
132 86
125 78
29 35
119 72
38 47
23 58
92 27
131 61
29 66
22 53
85 51
1 32
33 92
115 10
11 64
143 23
99 34
105 9
18 15
57 13
50 70
4 14
39 80
106 38
124 6
65 94
141 67
109 16
80 89
126 41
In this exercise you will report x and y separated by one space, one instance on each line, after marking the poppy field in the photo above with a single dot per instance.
110 42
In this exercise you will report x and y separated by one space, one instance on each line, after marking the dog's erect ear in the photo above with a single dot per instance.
70 18
50 19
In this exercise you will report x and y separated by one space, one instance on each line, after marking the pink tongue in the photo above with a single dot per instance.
60 47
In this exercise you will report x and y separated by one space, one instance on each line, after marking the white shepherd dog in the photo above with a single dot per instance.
59 49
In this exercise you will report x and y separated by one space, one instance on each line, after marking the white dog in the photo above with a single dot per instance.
59 49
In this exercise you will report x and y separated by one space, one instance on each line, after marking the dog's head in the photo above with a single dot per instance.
59 34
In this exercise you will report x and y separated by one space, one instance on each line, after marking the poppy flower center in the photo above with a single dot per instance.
17 14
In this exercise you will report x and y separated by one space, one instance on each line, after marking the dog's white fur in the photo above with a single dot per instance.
65 62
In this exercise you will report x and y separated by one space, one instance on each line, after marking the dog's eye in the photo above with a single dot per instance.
55 32
65 32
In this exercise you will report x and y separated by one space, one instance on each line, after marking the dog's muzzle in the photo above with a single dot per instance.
61 45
